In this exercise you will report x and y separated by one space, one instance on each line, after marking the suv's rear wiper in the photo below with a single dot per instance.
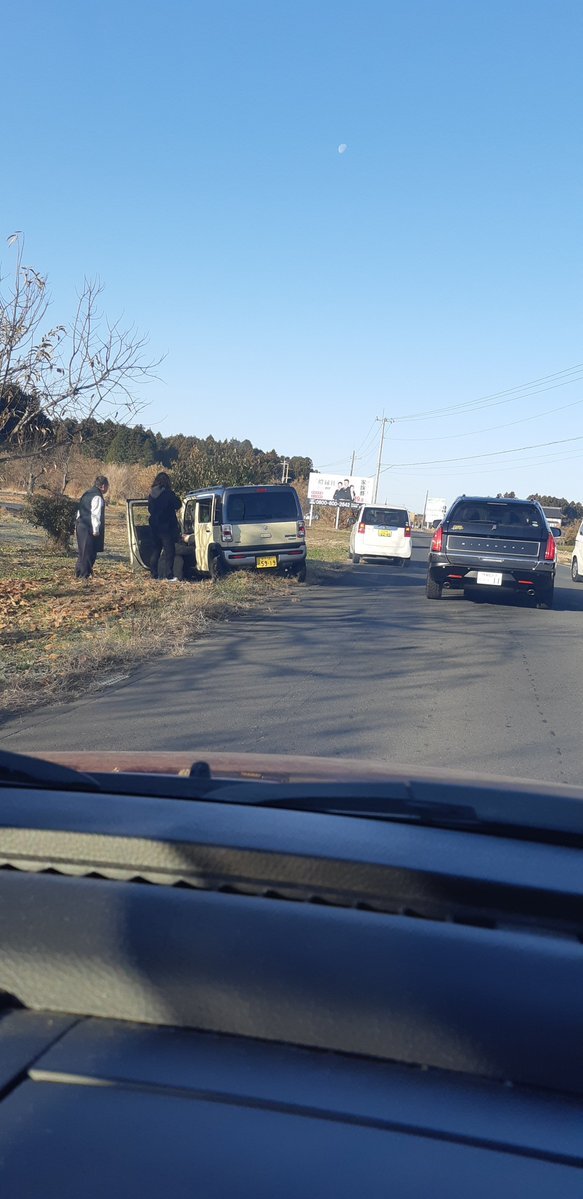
18 769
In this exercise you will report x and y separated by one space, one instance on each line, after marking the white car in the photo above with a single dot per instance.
381 532
577 558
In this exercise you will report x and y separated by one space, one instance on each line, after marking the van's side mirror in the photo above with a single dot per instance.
555 532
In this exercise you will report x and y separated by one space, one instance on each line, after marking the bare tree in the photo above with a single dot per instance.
72 371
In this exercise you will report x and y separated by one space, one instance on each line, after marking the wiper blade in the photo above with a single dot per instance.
370 801
18 769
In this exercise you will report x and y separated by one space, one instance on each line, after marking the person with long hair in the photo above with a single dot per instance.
163 504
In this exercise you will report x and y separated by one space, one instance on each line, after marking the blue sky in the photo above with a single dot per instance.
187 153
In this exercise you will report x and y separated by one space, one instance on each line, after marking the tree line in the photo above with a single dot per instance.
572 510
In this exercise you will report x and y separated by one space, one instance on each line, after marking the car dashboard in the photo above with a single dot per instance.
225 999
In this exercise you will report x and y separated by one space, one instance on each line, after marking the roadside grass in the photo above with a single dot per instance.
61 638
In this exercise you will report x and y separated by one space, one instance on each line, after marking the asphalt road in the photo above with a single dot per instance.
362 667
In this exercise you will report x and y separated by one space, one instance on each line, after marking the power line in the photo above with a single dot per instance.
522 391
490 454
491 428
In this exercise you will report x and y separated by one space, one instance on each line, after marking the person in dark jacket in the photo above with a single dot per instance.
90 527
163 505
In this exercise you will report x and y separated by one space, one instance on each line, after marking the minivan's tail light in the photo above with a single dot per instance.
551 550
301 528
437 543
407 530
226 533
361 527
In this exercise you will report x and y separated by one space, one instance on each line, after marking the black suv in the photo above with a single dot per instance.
494 544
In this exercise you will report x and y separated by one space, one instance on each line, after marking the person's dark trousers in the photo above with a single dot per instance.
87 551
184 561
164 544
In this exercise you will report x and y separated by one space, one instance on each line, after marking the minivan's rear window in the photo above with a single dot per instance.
488 515
255 507
392 518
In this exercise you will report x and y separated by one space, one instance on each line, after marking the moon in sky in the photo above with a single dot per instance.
342 148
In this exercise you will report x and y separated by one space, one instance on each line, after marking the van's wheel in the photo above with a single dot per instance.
356 559
216 568
301 573
576 577
432 588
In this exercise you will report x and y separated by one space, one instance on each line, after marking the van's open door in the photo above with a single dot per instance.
139 534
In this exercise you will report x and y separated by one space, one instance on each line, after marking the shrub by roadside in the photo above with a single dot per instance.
55 514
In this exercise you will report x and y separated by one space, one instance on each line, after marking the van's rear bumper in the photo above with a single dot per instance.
245 557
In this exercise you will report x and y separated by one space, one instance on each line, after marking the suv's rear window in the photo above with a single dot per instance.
487 515
393 518
251 507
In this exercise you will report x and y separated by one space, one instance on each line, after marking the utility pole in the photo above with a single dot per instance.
351 472
383 421
284 470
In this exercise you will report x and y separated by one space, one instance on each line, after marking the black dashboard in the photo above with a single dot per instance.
220 999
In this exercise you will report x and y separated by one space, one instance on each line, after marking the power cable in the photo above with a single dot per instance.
491 428
490 453
523 391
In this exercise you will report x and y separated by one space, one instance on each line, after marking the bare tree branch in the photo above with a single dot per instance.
70 371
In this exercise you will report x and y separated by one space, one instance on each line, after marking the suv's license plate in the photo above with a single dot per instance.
492 580
263 563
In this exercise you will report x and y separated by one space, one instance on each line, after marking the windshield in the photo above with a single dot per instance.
270 273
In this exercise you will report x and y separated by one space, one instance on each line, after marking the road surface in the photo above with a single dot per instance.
363 667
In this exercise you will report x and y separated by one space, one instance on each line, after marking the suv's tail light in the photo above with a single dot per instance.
226 533
301 528
437 543
361 527
551 550
407 530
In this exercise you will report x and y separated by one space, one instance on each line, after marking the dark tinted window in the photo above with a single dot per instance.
486 515
255 506
392 518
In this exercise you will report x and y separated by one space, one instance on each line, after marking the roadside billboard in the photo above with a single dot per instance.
336 491
435 510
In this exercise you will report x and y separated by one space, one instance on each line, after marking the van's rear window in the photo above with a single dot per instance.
393 518
250 507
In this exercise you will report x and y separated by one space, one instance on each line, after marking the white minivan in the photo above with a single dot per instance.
380 531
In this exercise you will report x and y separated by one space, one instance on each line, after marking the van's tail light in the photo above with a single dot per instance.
226 533
362 527
437 543
551 550
407 530
301 528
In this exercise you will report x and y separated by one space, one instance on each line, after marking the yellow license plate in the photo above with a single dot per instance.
263 563
384 533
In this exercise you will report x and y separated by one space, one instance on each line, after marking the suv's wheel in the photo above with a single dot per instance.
301 573
545 596
576 577
432 588
216 567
